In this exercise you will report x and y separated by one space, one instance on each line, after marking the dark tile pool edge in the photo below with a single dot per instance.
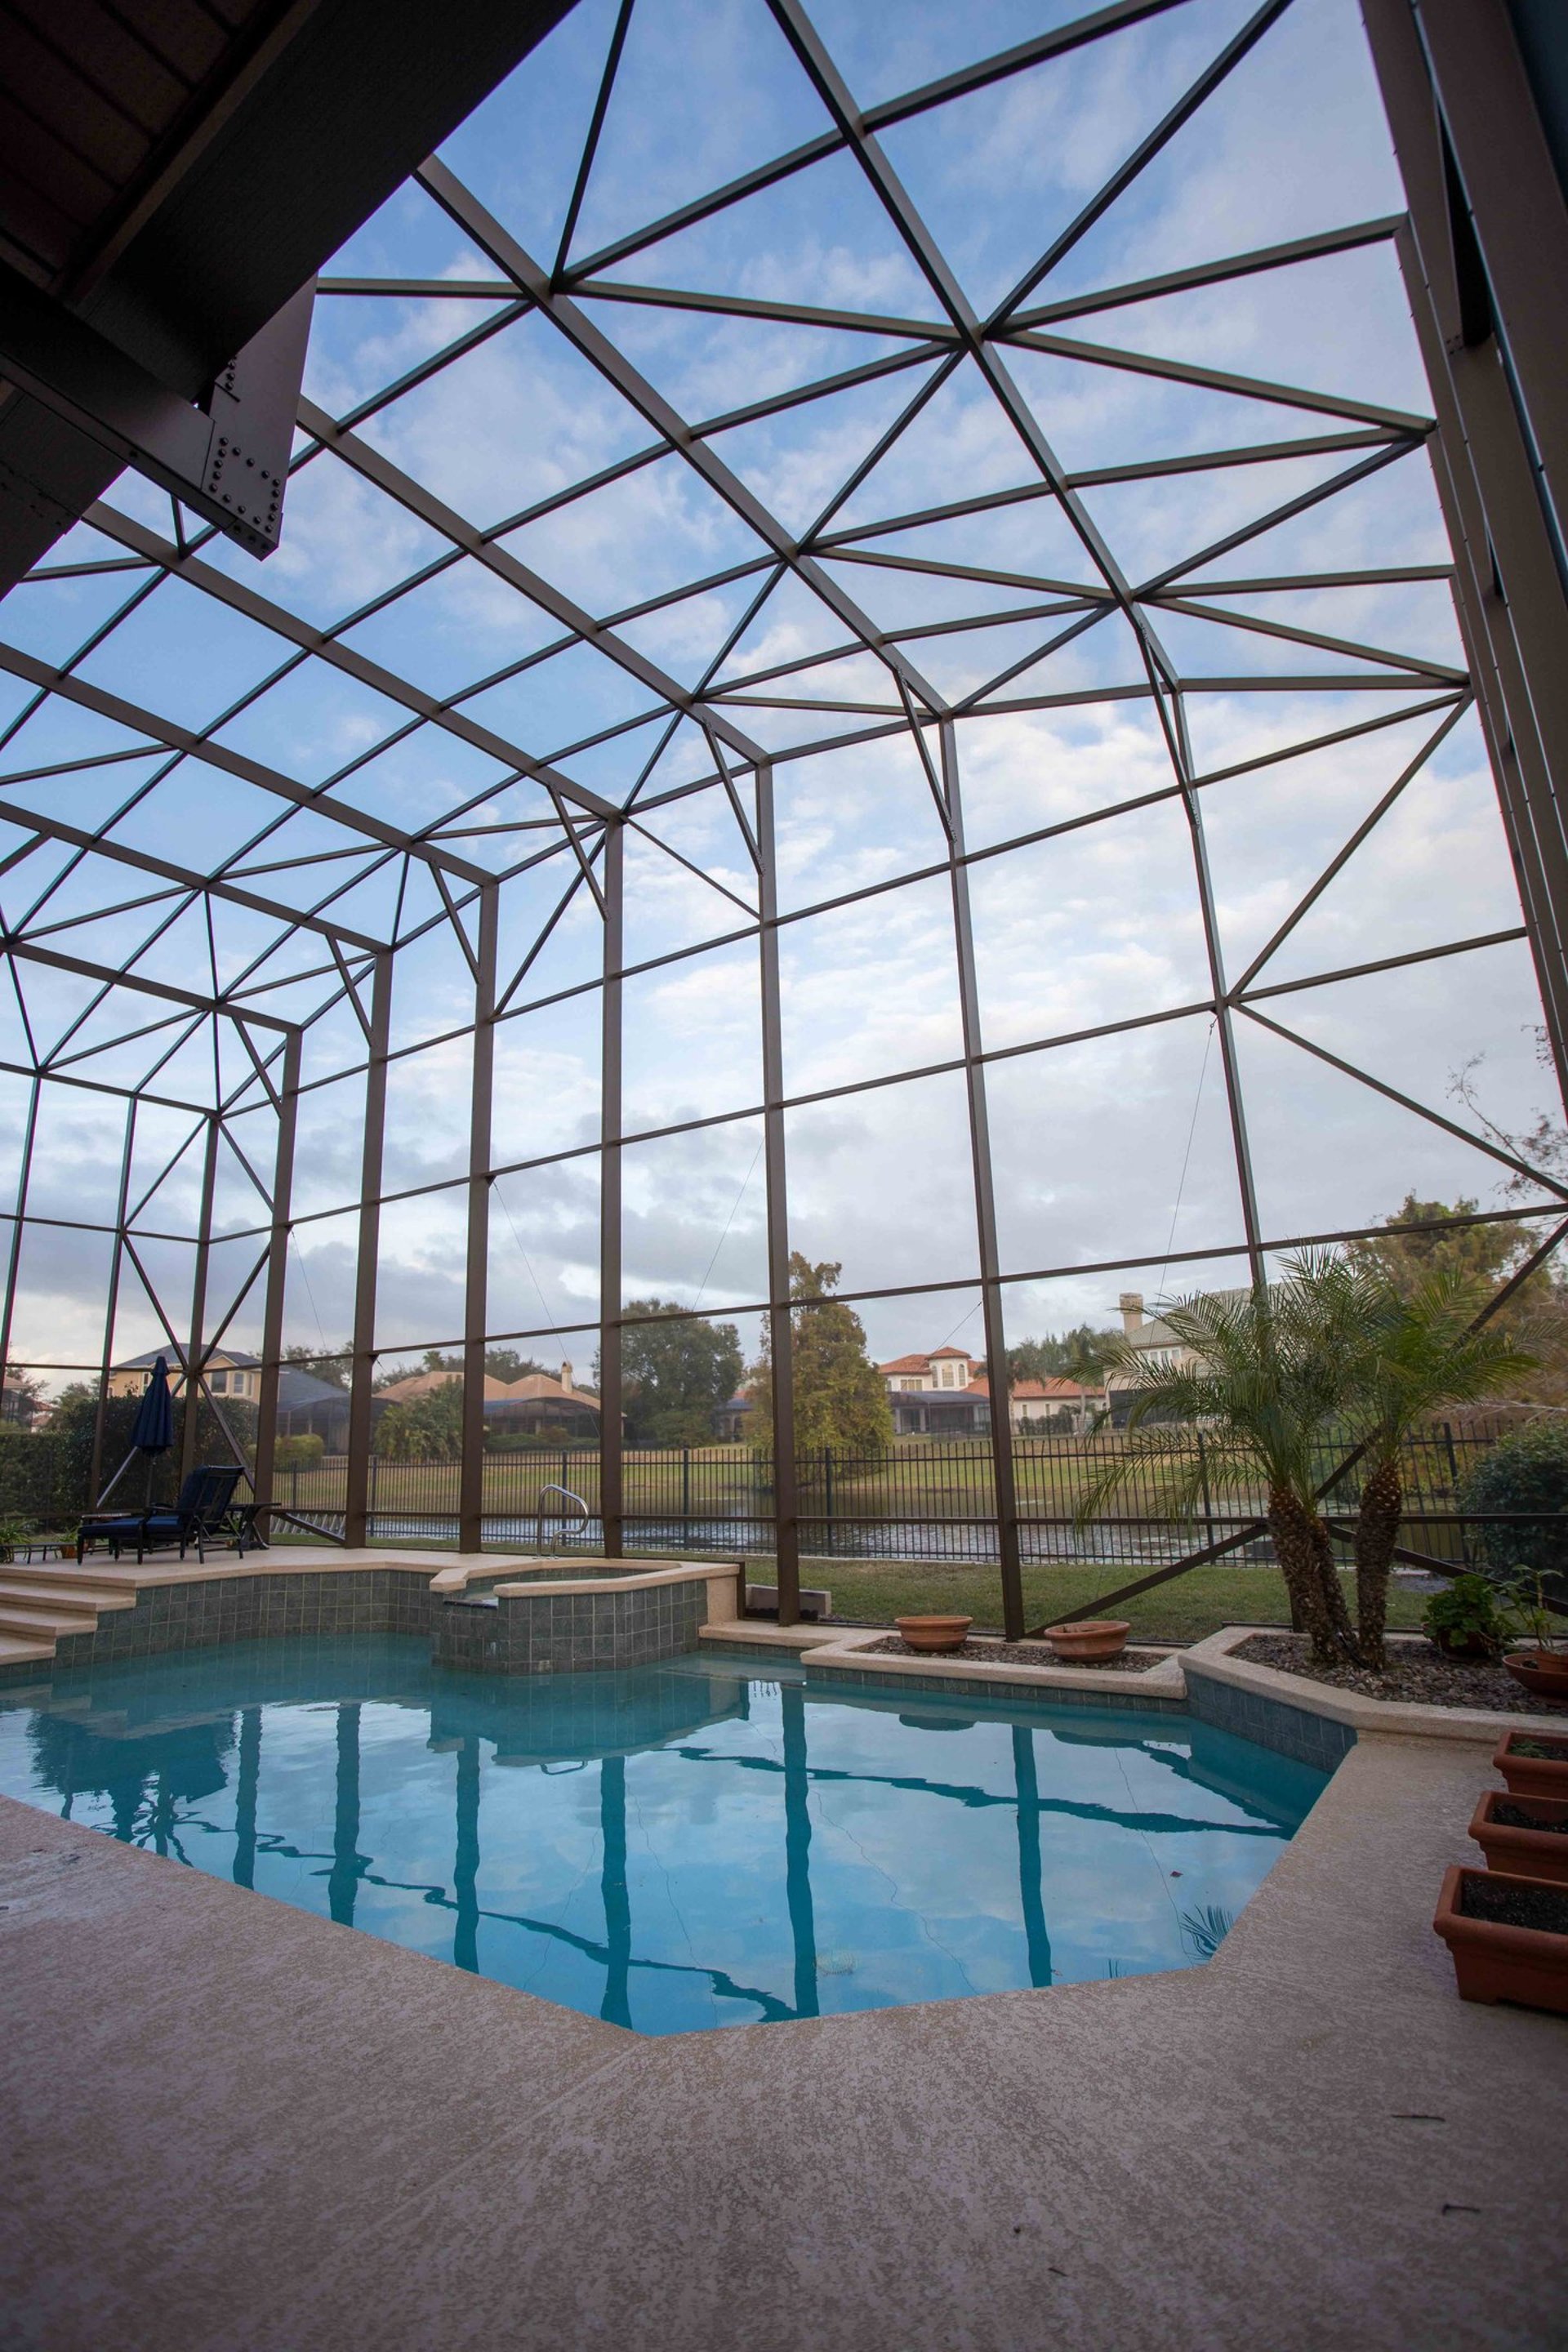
1297 1731
25 1670
546 1630
201 1613
974 1687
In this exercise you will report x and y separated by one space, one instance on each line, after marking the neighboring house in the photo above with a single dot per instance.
308 1407
229 1373
948 1394
1155 1341
539 1401
732 1422
943 1394
542 1401
1157 1346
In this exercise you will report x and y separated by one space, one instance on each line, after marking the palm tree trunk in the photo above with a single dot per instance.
1377 1532
1301 1542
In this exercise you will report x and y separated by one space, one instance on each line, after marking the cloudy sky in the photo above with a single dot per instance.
1115 1152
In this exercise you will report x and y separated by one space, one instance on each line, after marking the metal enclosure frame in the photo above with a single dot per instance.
1499 429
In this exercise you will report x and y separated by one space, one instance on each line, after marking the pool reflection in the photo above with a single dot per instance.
696 1844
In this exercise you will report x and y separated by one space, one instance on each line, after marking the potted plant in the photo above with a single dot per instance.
1465 1619
1091 1639
1541 1667
1532 1763
1525 1837
934 1633
1508 1938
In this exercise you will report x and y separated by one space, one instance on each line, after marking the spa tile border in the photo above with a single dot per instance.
544 1627
257 1606
653 1613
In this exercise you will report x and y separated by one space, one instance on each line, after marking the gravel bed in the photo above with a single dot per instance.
1016 1653
1416 1672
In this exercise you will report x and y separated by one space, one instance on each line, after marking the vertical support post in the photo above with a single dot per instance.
111 1305
612 1499
471 1477
277 1273
196 1361
1483 256
356 1515
1525 726
1002 1466
14 1254
1225 1025
781 1337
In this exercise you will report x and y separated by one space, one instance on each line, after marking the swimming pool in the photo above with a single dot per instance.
707 1842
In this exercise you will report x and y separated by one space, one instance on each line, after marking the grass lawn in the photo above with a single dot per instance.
1184 1610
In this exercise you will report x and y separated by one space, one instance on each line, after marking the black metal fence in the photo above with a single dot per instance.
917 1501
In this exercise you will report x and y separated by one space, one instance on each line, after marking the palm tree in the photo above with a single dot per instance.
1334 1353
1268 1380
1422 1353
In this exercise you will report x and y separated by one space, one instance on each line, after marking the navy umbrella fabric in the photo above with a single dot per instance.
154 1431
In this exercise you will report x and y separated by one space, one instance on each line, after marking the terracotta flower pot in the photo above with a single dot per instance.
1463 1645
1538 1849
1496 1961
934 1633
1533 1775
1096 1637
1543 1673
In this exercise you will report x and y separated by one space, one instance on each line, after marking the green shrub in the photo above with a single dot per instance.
14 1534
1469 1610
303 1452
1525 1472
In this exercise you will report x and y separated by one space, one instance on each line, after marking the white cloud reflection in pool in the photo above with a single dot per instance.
709 1842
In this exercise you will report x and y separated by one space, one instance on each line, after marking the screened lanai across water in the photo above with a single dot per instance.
862 663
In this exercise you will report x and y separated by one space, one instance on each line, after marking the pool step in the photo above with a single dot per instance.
31 1585
98 1579
30 1621
41 1606
16 1653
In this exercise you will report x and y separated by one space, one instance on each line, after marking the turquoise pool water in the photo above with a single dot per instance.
709 1842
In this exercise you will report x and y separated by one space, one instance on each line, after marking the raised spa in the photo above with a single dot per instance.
713 1840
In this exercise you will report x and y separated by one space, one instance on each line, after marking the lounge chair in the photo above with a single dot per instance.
203 1513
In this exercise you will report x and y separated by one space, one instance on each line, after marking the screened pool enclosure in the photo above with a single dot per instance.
865 661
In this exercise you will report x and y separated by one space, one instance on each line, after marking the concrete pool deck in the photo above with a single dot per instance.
235 2127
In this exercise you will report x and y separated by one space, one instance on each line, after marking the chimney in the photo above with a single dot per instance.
566 1373
1132 1305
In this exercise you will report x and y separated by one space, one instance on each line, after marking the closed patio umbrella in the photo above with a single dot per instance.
154 1431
